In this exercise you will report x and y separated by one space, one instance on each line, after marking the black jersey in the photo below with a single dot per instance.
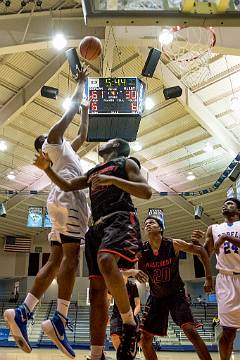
132 291
162 269
109 199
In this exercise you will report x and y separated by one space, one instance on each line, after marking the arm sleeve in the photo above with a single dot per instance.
135 291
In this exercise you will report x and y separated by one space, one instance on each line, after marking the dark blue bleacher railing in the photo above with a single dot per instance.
80 337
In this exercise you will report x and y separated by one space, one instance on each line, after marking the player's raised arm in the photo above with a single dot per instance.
136 185
180 245
56 133
83 129
77 183
198 237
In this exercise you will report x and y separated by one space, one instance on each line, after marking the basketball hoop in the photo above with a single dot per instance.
189 52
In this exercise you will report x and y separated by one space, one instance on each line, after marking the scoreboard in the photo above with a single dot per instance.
116 95
116 107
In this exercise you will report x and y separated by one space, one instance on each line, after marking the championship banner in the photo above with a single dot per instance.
158 213
231 192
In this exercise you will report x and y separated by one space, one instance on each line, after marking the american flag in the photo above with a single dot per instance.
17 244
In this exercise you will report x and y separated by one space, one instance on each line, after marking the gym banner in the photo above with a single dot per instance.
158 213
238 188
230 192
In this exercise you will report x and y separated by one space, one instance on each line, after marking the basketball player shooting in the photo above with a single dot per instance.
224 240
160 261
114 235
69 216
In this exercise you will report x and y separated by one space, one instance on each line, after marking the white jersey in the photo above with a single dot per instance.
228 258
68 211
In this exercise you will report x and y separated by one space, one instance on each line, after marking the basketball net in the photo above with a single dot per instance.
189 53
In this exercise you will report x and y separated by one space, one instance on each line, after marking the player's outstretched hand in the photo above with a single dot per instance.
208 285
85 104
198 237
139 275
83 73
42 161
219 243
101 180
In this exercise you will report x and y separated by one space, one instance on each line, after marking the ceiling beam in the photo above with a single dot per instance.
195 106
41 29
24 96
108 52
37 185
180 201
71 22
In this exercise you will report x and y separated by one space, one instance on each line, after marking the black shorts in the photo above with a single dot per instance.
118 234
155 317
116 325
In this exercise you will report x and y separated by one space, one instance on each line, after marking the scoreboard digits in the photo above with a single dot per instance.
116 95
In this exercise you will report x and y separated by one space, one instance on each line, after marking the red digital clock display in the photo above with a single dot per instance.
113 95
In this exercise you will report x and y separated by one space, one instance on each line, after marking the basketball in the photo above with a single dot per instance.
90 47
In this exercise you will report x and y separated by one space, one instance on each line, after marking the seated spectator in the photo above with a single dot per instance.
16 297
12 297
215 321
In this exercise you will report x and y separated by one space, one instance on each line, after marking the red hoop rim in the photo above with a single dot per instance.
177 28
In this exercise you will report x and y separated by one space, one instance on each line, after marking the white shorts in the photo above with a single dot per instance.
70 222
228 298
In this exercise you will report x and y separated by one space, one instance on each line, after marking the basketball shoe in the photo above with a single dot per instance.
102 358
55 329
128 348
17 322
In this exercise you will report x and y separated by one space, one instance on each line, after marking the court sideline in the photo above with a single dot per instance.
43 354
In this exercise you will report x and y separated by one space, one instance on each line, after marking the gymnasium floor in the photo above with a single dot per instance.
15 354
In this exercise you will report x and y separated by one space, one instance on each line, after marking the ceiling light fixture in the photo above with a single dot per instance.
11 176
208 148
67 103
59 41
166 37
235 103
191 177
3 145
149 103
136 146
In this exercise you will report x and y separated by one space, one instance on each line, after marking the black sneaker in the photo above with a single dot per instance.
128 348
102 358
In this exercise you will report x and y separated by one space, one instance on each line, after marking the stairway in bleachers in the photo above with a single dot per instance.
80 317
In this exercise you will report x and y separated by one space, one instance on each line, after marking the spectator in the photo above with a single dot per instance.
200 300
215 321
16 296
12 297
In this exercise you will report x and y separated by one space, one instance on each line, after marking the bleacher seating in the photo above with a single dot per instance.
80 317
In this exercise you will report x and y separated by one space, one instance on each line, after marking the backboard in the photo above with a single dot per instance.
162 12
